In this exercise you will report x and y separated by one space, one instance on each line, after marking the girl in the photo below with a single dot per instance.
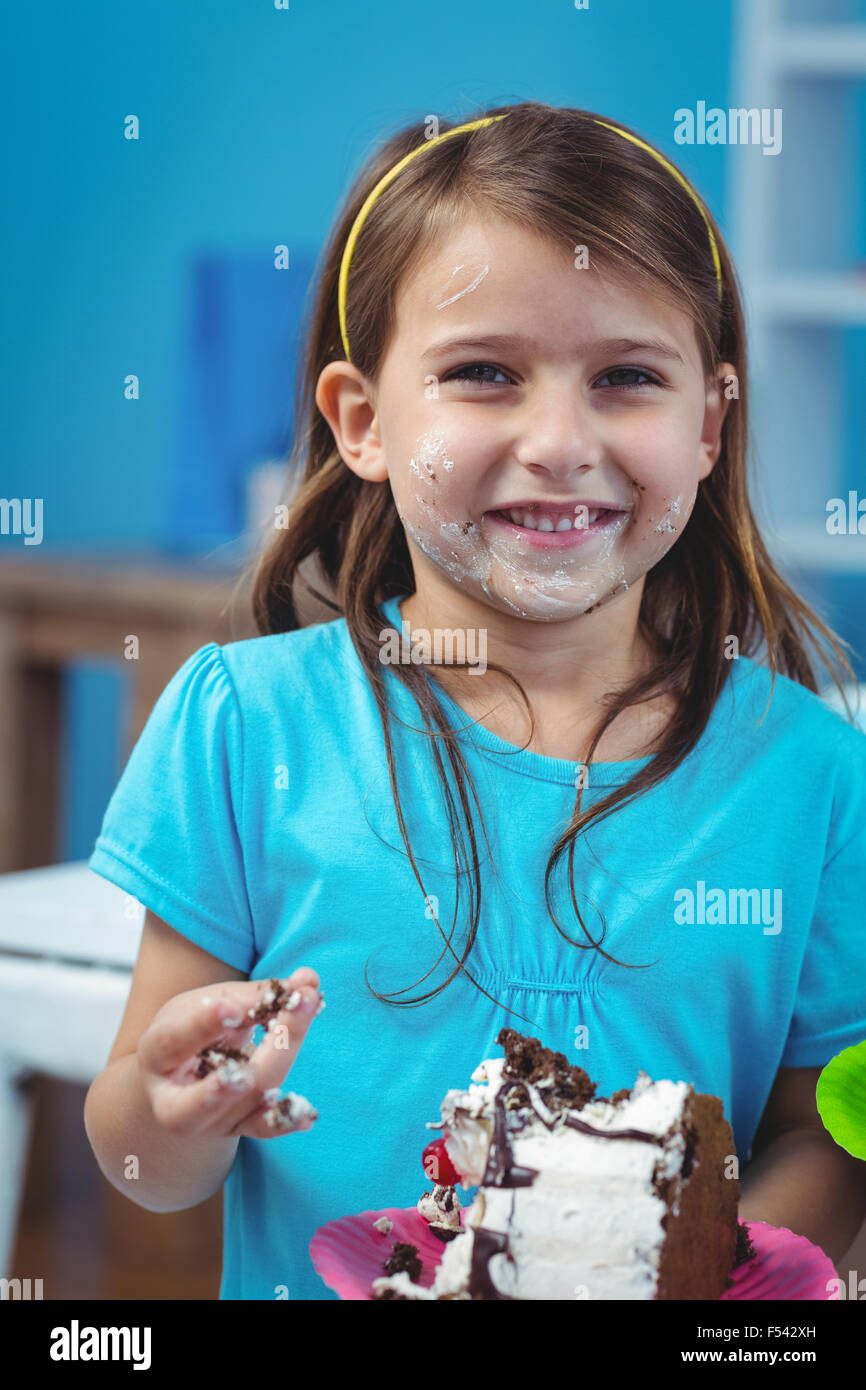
632 830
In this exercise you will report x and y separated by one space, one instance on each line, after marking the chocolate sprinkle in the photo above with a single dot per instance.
404 1257
262 1013
205 1065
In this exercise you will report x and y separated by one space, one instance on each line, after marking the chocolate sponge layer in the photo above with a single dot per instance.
701 1238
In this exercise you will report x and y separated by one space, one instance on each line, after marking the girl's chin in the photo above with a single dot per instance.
538 603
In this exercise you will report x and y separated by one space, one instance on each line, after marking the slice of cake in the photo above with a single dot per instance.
582 1197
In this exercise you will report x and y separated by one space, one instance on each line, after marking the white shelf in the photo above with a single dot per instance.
782 211
834 50
807 547
815 297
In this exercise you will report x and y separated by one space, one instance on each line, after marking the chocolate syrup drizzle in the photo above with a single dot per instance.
501 1171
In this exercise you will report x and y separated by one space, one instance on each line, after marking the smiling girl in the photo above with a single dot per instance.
523 413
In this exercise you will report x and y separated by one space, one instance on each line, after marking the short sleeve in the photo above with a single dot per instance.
830 1009
170 835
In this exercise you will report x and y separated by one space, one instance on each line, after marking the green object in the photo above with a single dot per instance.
841 1098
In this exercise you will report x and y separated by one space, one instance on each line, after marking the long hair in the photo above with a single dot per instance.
559 174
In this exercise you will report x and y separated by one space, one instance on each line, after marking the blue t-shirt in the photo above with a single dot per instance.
255 816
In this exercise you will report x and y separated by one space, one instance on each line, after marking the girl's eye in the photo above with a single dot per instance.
483 374
474 373
629 371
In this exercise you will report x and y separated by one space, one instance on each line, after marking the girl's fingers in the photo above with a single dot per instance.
253 1111
234 1089
276 1053
269 1064
191 1021
278 1115
184 1026
211 1106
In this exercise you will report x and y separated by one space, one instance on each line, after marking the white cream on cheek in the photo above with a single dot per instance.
673 510
430 451
658 541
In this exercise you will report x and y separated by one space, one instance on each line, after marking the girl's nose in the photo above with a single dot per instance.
558 433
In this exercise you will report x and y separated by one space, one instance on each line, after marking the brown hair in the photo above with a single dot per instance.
559 174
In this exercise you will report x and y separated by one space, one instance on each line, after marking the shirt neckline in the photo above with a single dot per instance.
523 760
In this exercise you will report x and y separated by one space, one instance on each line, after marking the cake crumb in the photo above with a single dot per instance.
291 1112
383 1291
275 999
621 1096
441 1210
745 1249
231 1062
568 1087
404 1257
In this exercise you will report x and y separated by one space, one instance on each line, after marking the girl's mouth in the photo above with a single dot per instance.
553 533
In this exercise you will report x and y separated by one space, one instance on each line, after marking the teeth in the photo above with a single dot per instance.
535 521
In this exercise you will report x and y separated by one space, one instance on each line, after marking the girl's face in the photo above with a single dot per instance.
543 428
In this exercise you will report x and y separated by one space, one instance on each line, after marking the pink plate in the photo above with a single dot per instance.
787 1267
348 1255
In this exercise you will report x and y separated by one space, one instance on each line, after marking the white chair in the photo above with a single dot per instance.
68 943
856 694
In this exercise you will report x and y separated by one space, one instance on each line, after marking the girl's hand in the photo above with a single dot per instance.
194 1087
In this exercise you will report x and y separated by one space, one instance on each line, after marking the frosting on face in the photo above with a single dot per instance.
513 572
494 391
448 290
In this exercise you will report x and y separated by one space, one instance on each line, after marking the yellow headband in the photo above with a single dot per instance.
458 130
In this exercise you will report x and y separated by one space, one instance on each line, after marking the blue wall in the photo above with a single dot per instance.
253 121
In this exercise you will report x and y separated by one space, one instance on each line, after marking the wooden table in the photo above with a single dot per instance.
54 612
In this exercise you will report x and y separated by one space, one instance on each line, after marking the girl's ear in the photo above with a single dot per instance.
343 396
721 391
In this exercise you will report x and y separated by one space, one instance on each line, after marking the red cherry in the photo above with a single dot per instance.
437 1164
